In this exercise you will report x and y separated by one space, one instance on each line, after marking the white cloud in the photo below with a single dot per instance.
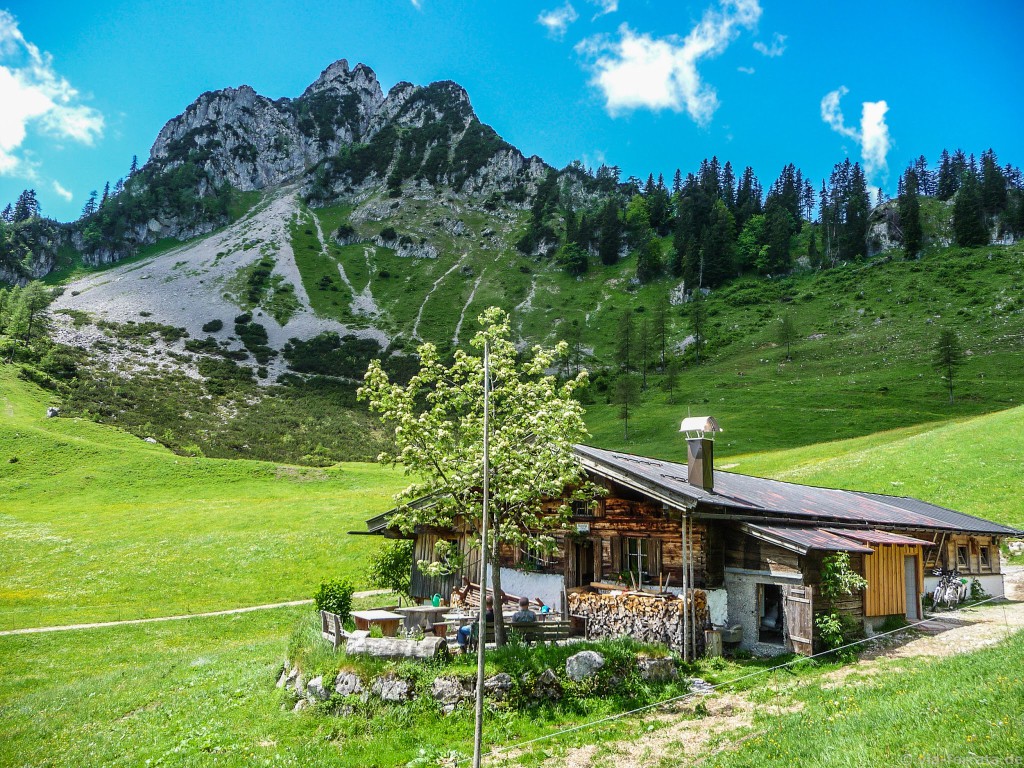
417 4
639 71
745 70
60 190
604 7
873 136
777 48
557 20
34 95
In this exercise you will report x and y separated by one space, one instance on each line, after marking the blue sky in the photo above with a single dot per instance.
648 86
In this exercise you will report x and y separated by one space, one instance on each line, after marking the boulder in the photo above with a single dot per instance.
498 686
300 705
583 665
391 688
348 683
52 413
450 691
658 670
547 686
316 690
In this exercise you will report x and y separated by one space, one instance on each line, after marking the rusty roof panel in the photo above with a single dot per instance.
806 539
880 537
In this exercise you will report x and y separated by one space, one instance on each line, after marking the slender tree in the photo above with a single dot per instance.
968 215
787 333
626 342
909 209
627 396
949 356
698 323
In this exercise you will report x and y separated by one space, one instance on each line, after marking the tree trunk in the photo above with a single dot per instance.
494 558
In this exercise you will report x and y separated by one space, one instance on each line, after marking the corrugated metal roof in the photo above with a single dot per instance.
879 537
775 497
802 539
950 517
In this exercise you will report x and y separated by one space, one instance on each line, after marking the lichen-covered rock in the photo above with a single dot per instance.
658 670
450 691
348 683
583 665
498 686
317 690
391 688
547 686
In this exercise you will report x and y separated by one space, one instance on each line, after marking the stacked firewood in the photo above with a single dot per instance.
644 617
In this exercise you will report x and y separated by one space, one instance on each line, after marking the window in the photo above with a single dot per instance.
583 508
963 560
533 556
636 555
985 558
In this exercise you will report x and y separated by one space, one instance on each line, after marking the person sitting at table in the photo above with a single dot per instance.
463 634
524 614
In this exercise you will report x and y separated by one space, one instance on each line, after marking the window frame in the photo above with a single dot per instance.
965 563
985 558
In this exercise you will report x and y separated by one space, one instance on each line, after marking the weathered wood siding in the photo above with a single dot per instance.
851 605
886 593
743 551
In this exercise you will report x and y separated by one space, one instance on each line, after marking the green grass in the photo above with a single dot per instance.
963 710
99 525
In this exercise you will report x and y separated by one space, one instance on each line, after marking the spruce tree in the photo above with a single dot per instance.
993 185
626 395
968 215
909 209
90 205
135 166
949 356
610 242
947 182
625 342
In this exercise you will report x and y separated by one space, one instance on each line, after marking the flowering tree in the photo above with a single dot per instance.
438 427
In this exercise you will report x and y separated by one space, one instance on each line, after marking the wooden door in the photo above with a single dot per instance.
798 610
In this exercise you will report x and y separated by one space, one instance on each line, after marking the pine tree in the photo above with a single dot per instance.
649 262
660 329
718 250
8 214
813 254
993 185
106 194
677 182
118 187
787 333
610 242
968 215
135 166
626 395
90 205
948 182
644 351
698 322
672 378
909 209
26 207
776 257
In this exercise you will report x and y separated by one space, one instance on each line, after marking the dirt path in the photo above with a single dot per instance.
675 733
229 612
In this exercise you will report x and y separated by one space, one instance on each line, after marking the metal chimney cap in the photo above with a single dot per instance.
699 426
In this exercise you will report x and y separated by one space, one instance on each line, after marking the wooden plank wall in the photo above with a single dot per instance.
947 555
886 593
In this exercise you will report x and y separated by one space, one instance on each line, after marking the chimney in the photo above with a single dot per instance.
700 450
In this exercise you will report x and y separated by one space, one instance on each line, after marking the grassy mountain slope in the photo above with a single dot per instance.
972 465
99 525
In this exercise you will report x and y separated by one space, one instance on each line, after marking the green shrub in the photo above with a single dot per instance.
213 326
391 567
334 596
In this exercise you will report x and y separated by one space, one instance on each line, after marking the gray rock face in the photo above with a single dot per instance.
498 686
390 688
583 665
658 670
348 684
251 142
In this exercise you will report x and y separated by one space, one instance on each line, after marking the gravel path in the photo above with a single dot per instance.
229 612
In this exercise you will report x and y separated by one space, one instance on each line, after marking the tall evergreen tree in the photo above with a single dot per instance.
90 205
610 242
26 206
626 395
947 182
776 257
718 250
698 312
660 329
909 209
949 356
968 214
135 166
993 185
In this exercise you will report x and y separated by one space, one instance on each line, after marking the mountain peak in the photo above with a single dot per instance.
342 80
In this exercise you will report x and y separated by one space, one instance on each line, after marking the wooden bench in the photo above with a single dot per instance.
532 631
333 631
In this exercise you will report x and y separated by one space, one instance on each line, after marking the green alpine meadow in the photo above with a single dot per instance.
556 384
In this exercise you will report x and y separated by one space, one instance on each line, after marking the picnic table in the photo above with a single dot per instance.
424 616
386 620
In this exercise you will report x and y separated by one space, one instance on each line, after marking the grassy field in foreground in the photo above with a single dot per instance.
98 525
971 465
963 710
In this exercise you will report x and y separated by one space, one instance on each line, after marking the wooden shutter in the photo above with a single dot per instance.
616 543
798 609
654 559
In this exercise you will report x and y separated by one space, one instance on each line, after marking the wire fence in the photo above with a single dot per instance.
718 686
